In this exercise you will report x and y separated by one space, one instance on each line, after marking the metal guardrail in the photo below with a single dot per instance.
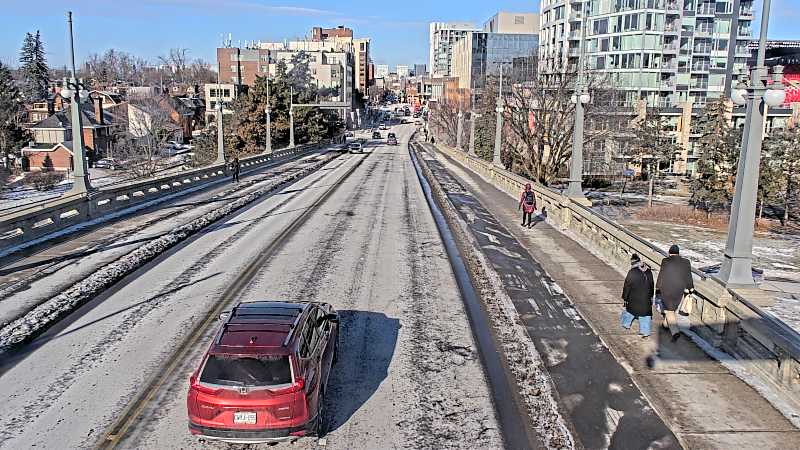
727 319
34 221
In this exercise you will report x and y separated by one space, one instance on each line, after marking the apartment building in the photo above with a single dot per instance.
363 77
402 71
666 52
322 34
420 70
512 22
443 35
507 39
381 70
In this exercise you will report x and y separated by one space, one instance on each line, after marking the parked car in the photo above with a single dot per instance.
263 379
356 147
376 135
108 163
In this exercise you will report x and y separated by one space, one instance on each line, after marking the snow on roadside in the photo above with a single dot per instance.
524 361
45 314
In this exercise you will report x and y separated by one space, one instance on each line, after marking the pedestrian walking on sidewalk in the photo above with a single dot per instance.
527 203
674 282
235 168
637 293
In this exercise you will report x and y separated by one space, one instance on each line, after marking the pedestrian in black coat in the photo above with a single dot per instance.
674 281
637 293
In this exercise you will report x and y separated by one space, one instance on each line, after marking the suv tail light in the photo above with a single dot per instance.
296 386
195 384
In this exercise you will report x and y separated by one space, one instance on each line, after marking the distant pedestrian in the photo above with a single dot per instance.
235 168
527 203
637 294
433 140
674 282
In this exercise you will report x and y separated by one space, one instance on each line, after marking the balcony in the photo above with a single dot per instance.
703 32
669 66
574 35
746 13
745 32
671 28
698 86
700 67
702 49
574 52
667 85
672 8
575 16
706 11
743 52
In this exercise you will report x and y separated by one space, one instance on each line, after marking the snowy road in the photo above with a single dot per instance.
408 374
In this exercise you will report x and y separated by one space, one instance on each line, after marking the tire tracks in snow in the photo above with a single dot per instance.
226 195
98 352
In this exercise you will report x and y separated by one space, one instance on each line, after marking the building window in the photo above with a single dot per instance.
519 20
226 93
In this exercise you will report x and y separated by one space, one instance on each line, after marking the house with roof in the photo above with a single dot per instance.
48 157
99 129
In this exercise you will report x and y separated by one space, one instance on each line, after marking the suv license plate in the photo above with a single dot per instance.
243 417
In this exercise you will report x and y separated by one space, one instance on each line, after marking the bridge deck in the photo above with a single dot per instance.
701 401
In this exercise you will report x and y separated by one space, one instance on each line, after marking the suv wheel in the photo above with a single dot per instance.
321 426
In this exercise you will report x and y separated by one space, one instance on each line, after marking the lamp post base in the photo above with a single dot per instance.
80 185
575 192
736 272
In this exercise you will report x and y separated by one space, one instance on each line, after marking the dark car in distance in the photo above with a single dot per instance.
264 376
376 135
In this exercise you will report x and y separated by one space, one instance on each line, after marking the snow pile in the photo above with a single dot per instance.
533 380
47 313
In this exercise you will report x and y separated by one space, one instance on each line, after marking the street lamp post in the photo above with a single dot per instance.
268 111
291 117
459 129
472 116
736 270
220 135
75 90
579 98
498 130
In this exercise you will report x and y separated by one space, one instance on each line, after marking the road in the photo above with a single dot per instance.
408 375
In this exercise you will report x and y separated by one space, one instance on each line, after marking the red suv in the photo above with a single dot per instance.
263 379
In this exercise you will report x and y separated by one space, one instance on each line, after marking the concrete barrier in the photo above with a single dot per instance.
24 224
728 319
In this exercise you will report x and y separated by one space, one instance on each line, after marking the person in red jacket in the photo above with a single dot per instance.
527 203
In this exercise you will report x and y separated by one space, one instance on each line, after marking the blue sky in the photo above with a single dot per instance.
148 28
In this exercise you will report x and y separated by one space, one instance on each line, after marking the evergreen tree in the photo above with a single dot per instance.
718 146
33 67
12 136
782 150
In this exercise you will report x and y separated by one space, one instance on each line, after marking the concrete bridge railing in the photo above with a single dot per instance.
727 319
25 224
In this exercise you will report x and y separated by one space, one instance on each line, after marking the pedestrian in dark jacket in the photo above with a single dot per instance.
527 203
637 294
674 281
235 168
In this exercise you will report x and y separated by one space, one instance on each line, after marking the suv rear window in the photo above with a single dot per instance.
246 370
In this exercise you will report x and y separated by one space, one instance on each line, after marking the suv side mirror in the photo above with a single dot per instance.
224 315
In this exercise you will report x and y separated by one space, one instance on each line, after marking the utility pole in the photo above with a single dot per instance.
76 91
579 98
268 111
737 267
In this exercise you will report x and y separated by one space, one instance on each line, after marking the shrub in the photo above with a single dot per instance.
44 181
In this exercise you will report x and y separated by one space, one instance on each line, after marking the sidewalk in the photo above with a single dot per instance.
704 405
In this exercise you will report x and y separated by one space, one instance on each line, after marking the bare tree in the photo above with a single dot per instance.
149 128
443 119
540 115
177 60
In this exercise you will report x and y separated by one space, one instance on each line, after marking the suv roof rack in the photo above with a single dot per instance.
294 325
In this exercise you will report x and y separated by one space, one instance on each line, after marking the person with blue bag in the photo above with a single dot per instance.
637 293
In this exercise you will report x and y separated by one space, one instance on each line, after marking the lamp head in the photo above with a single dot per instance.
66 92
585 98
739 96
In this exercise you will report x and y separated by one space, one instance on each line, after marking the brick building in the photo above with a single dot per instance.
320 34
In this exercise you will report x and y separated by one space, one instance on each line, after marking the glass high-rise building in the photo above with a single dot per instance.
481 53
667 52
